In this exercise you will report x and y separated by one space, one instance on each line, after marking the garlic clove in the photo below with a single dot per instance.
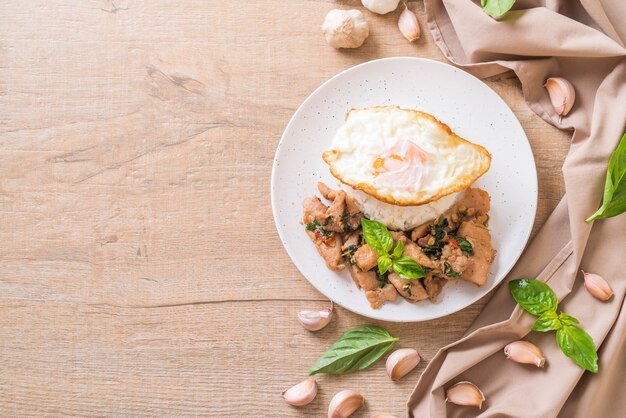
301 394
380 6
345 28
525 352
562 94
384 416
401 362
466 394
344 404
597 286
409 25
315 320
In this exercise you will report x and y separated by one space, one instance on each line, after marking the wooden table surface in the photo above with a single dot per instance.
140 270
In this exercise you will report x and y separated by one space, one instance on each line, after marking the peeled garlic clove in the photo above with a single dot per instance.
525 352
302 393
562 94
315 320
345 28
380 6
401 362
409 25
466 394
597 286
344 404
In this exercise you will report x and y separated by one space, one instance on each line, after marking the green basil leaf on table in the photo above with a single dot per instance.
355 350
397 252
384 262
548 321
568 319
533 295
614 200
407 268
496 8
578 345
377 236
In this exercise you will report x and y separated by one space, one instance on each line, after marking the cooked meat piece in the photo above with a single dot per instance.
343 215
452 258
412 250
351 239
433 285
314 209
330 252
397 235
478 268
335 213
365 257
425 241
365 280
351 205
474 198
410 289
378 296
326 191
420 231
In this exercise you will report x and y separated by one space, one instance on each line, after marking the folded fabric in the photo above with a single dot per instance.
582 41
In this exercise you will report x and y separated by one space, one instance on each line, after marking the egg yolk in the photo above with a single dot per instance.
403 164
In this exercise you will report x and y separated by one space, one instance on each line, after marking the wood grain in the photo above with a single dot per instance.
140 270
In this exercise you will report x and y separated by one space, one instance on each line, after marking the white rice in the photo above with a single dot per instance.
401 217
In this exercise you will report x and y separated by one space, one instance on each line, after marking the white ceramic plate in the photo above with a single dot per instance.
458 99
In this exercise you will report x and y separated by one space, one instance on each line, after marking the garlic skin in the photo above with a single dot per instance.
380 6
301 394
562 94
345 28
465 394
345 403
315 320
525 352
409 25
401 362
597 286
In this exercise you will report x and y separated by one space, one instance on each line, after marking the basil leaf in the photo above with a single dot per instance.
355 350
465 245
384 262
448 271
496 8
397 252
548 321
578 345
533 295
568 319
407 268
377 236
614 200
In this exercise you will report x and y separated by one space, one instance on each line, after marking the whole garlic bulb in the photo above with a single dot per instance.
380 6
345 28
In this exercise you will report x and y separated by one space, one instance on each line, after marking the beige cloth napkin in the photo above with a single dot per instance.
583 41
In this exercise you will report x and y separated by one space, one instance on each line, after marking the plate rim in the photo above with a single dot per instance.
296 113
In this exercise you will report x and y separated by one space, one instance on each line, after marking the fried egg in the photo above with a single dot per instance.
403 157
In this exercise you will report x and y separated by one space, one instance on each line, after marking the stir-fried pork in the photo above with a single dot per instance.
365 257
478 268
415 252
456 245
365 280
378 296
410 289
